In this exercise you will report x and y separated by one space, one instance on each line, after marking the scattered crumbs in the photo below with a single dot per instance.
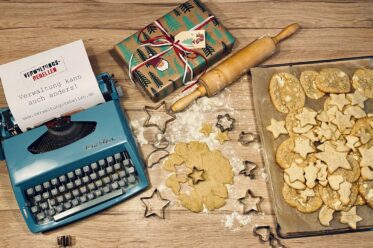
235 221
263 174
138 130
236 163
188 123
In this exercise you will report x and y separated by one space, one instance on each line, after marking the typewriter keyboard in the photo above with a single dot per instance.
83 188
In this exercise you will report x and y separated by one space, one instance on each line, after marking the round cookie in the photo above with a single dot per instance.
364 124
333 80
363 82
349 175
308 82
366 191
294 199
286 92
330 197
285 155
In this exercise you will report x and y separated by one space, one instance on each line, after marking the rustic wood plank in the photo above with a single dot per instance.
234 16
125 230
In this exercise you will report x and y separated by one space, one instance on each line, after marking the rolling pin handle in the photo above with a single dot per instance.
286 32
182 103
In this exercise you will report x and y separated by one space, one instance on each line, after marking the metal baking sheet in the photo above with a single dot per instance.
291 222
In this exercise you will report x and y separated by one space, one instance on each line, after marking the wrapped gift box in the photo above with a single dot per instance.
165 73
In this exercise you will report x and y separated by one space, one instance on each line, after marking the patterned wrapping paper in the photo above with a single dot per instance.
161 76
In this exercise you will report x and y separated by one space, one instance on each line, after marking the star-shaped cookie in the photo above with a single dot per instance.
277 128
158 116
333 159
295 172
307 116
250 202
303 146
206 129
155 204
355 111
357 98
338 100
342 121
350 217
341 146
222 136
367 157
351 142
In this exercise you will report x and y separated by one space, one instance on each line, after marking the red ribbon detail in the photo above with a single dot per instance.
177 47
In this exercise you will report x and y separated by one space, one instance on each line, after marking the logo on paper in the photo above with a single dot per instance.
46 70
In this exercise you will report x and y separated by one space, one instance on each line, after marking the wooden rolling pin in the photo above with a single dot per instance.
235 66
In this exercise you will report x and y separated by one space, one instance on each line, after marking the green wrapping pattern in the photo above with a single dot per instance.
161 76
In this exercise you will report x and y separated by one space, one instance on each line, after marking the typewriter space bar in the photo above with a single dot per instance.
87 205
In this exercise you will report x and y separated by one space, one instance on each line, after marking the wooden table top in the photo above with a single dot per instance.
331 29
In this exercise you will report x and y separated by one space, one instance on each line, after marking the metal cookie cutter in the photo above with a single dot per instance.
148 122
156 156
249 169
151 209
225 122
246 138
196 175
251 203
263 232
275 242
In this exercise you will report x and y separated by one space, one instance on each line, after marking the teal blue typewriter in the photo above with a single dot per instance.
74 166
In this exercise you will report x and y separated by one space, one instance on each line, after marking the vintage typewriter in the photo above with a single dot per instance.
74 166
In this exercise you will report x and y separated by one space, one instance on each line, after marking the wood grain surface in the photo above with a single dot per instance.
331 29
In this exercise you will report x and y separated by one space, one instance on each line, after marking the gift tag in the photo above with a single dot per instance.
192 38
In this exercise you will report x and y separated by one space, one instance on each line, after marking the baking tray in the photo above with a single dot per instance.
290 222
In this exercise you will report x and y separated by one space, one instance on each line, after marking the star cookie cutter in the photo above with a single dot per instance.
251 203
196 175
249 169
225 122
162 127
246 138
152 211
156 156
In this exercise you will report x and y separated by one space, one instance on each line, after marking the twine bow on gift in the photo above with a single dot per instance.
184 52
